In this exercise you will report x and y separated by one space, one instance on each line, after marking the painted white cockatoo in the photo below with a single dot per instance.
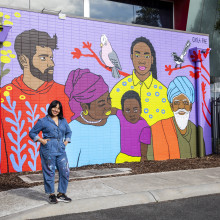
179 59
109 56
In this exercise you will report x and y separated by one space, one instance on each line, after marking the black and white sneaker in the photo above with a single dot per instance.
61 197
52 199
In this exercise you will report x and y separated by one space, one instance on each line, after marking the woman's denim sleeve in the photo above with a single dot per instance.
68 133
33 134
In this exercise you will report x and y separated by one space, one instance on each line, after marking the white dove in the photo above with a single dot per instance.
109 56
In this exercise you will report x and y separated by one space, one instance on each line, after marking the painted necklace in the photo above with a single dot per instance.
90 122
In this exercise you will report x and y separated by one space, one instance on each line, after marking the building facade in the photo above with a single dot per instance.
142 83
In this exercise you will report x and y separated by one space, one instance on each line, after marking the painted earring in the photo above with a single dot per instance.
85 112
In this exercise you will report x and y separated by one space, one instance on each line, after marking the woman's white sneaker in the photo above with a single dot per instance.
61 197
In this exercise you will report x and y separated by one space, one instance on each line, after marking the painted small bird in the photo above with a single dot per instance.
179 59
109 56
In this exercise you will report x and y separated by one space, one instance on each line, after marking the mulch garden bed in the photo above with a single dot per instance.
12 181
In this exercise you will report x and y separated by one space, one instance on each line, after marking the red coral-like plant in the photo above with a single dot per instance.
77 54
169 69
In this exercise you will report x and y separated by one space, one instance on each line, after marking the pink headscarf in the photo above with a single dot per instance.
82 86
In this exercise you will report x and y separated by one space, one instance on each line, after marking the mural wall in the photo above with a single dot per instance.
129 93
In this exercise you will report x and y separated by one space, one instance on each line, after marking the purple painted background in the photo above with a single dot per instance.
73 31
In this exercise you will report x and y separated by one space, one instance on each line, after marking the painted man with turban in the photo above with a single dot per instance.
178 135
96 134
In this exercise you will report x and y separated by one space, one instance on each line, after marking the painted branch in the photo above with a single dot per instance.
206 104
205 115
205 79
203 96
203 67
178 68
104 66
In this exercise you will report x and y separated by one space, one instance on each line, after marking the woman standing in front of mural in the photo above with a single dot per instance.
96 135
56 135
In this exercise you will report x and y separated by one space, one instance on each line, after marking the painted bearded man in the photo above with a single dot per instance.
26 99
178 135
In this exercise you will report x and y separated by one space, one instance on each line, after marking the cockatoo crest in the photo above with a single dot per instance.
104 39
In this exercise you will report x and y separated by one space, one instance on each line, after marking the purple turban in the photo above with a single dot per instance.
82 86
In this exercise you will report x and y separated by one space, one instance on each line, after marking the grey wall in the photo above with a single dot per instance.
202 17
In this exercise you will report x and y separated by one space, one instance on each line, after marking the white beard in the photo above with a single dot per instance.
182 120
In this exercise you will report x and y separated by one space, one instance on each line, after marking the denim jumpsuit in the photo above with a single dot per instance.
53 152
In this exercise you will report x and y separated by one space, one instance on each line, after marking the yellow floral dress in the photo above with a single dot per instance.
153 94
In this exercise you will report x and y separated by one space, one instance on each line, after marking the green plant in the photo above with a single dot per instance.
5 55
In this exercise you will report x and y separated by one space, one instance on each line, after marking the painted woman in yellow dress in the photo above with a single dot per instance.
143 80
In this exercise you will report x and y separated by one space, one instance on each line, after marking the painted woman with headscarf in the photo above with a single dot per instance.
96 134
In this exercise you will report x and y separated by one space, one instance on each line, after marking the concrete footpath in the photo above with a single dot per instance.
111 192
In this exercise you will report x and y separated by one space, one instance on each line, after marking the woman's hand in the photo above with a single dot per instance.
43 141
65 142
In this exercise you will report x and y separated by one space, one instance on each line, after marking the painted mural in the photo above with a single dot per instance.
129 93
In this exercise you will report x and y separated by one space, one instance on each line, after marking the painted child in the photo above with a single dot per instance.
135 132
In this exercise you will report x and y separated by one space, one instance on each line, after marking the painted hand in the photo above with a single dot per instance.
65 142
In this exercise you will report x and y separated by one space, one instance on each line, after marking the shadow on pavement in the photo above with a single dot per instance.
29 193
